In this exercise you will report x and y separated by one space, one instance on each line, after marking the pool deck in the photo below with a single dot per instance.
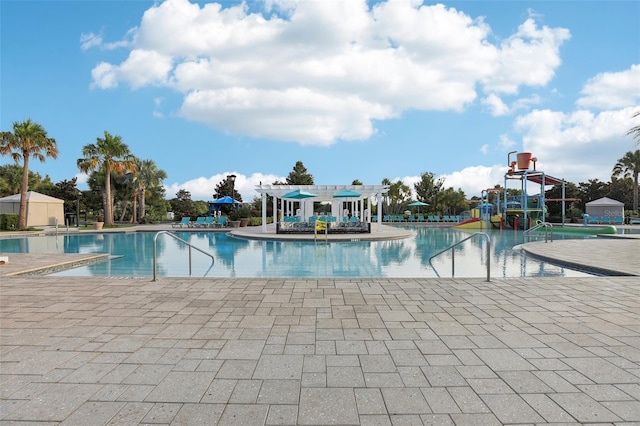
192 351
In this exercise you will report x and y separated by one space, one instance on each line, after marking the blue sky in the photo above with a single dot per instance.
353 89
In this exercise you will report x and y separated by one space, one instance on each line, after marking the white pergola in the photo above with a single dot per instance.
323 194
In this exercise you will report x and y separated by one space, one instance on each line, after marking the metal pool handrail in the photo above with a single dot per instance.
453 262
181 240
546 225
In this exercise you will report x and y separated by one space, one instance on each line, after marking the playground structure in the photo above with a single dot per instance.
521 211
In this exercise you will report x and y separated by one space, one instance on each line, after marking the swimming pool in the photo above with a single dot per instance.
235 257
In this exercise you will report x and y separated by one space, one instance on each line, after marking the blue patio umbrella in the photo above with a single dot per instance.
346 193
418 204
299 194
225 200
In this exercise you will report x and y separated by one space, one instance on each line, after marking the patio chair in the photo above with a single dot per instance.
198 222
606 220
184 222
618 220
594 220
221 222
420 218
209 221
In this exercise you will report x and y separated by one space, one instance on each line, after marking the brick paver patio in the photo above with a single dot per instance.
94 351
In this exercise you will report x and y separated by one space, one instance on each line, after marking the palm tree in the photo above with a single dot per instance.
111 155
29 139
149 177
628 166
635 131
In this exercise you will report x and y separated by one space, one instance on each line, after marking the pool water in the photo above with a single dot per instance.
235 257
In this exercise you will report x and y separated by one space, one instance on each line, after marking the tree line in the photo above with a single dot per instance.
119 181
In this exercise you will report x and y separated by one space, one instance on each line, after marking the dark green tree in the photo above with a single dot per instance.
428 188
182 204
299 175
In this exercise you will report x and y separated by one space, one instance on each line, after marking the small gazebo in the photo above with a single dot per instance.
361 197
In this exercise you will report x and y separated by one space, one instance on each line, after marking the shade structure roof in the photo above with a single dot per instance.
323 192
32 197
417 204
537 177
605 201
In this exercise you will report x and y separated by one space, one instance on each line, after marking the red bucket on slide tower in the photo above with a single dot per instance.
524 160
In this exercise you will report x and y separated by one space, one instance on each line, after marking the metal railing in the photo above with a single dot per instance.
453 258
548 231
191 246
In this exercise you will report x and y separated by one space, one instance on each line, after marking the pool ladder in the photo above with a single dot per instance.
453 258
191 246
548 231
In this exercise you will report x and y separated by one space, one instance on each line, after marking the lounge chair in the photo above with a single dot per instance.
618 220
594 220
221 222
209 221
184 222
420 218
199 222
412 218
605 220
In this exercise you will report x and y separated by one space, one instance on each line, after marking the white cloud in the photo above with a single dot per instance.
87 41
473 180
572 145
506 142
317 72
528 58
612 90
496 105
202 188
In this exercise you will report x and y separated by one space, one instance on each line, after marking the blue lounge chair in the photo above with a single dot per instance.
618 220
412 218
420 218
199 222
184 222
593 220
221 222
209 221
605 220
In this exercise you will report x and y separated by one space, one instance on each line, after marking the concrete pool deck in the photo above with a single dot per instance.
193 351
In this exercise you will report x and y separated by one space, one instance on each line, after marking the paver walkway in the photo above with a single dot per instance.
93 351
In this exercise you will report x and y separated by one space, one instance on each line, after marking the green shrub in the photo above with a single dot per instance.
8 221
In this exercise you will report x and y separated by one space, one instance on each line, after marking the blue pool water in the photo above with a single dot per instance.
235 257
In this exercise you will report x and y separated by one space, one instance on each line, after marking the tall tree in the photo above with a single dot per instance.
150 177
629 166
428 188
113 156
29 139
299 175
